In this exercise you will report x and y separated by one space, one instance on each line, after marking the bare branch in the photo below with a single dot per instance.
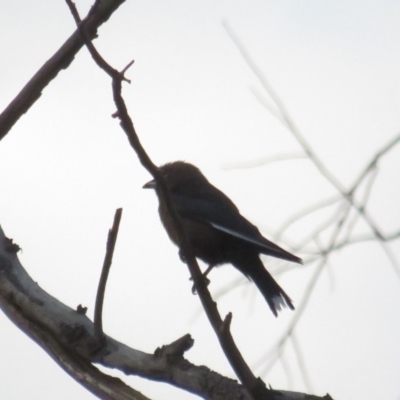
111 241
302 363
287 120
69 338
59 61
374 161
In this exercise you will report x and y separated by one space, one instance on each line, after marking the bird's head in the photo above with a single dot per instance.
178 176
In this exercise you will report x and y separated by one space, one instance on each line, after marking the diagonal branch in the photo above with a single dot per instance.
59 61
254 385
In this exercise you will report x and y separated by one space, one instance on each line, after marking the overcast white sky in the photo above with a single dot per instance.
66 166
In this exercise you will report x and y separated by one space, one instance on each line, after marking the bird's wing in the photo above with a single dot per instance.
226 218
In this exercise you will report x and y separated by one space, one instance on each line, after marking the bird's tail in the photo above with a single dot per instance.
269 288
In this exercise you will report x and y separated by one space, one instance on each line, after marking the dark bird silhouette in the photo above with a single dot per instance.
217 231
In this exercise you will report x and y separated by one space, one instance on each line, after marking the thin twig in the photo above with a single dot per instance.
372 163
306 212
372 175
259 162
302 365
287 367
323 226
111 241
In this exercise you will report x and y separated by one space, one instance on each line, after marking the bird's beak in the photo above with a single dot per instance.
150 185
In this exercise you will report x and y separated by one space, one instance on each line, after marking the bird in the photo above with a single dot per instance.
217 232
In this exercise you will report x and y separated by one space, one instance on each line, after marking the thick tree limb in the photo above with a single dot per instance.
69 338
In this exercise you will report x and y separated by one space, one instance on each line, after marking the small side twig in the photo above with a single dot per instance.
176 348
111 240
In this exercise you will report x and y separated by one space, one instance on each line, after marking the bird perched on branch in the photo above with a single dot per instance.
218 233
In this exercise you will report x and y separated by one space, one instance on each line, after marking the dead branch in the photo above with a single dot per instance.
68 336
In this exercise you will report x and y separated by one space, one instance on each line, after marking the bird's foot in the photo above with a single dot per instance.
205 280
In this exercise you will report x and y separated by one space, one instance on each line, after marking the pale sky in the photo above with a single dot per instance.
66 166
